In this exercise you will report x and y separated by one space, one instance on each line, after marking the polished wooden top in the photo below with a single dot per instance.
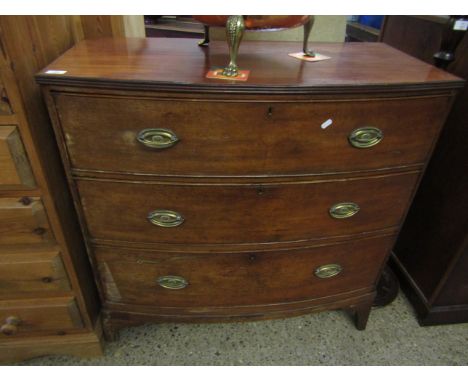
180 64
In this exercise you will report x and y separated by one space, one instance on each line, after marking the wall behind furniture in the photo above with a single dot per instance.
111 26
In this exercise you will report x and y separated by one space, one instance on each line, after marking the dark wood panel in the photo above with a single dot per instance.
455 291
246 138
242 214
429 313
418 36
138 62
233 279
431 251
436 227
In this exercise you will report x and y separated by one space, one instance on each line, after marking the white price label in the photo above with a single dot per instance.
55 72
327 123
460 25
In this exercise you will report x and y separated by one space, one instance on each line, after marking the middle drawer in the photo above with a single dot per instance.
221 214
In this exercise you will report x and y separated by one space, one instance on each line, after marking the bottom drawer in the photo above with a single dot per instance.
233 279
39 315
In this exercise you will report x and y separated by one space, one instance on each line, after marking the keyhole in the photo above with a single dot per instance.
270 111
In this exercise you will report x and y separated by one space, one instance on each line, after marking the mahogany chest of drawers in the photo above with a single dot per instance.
212 200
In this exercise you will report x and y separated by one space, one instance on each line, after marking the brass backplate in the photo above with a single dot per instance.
165 218
328 270
343 210
157 138
172 282
365 137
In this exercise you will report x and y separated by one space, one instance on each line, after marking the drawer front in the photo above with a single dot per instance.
240 138
14 164
5 107
31 270
23 221
210 214
51 315
190 280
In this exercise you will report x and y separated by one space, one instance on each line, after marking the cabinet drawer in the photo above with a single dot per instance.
212 214
32 269
14 164
245 138
23 221
51 315
228 279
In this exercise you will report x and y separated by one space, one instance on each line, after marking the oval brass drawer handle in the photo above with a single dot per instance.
157 138
172 282
165 218
328 270
365 137
343 210
10 326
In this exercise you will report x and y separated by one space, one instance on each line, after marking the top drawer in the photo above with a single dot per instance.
246 138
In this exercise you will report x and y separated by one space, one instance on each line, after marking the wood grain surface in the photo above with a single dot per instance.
139 62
